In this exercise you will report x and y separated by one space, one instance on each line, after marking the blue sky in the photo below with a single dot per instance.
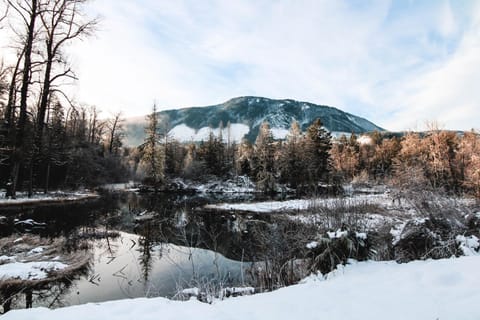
398 63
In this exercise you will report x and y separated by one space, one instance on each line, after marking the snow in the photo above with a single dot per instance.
361 235
396 232
191 291
468 245
279 133
22 198
240 184
29 270
30 223
36 250
364 140
434 289
4 259
338 134
236 291
337 234
298 204
312 245
184 133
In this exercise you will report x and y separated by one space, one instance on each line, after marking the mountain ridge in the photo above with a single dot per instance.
248 113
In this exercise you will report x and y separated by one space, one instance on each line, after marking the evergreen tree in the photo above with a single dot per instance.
243 158
153 157
264 160
212 152
292 163
317 156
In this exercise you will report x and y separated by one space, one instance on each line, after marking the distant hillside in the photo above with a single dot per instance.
245 115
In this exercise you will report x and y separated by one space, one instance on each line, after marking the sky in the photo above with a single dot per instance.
400 64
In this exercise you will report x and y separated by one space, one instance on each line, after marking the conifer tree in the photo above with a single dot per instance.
292 163
317 154
264 160
153 157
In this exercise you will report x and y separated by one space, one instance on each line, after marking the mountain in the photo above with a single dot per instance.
244 116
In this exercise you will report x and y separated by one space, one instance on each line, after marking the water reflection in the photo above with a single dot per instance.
177 248
134 266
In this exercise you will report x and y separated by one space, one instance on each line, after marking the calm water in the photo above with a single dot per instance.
155 246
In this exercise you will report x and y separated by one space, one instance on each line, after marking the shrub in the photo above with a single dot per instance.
337 248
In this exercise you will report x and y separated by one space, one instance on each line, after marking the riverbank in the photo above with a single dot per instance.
42 199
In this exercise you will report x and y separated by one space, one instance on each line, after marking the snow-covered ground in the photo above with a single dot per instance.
240 184
433 289
40 197
301 204
29 270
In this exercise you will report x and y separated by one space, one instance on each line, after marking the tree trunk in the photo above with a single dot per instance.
47 178
22 121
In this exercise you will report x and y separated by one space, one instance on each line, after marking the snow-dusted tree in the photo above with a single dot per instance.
264 160
153 156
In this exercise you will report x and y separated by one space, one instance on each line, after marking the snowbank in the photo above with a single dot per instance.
434 289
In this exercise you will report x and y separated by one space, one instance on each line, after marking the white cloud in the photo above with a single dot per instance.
395 63
447 92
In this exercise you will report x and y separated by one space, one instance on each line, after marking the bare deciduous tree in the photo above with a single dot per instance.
62 23
116 132
28 12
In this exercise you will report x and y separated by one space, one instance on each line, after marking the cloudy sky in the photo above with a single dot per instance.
397 63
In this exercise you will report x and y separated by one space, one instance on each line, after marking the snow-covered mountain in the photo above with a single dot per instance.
241 118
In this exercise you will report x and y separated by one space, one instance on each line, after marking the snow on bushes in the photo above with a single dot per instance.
337 248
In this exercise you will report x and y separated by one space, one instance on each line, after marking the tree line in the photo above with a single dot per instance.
302 161
306 161
49 141
436 159
46 139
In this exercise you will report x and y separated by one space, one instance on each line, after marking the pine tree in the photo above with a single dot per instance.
153 157
264 160
317 154
291 161
243 158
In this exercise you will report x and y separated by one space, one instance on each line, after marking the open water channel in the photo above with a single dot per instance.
136 246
